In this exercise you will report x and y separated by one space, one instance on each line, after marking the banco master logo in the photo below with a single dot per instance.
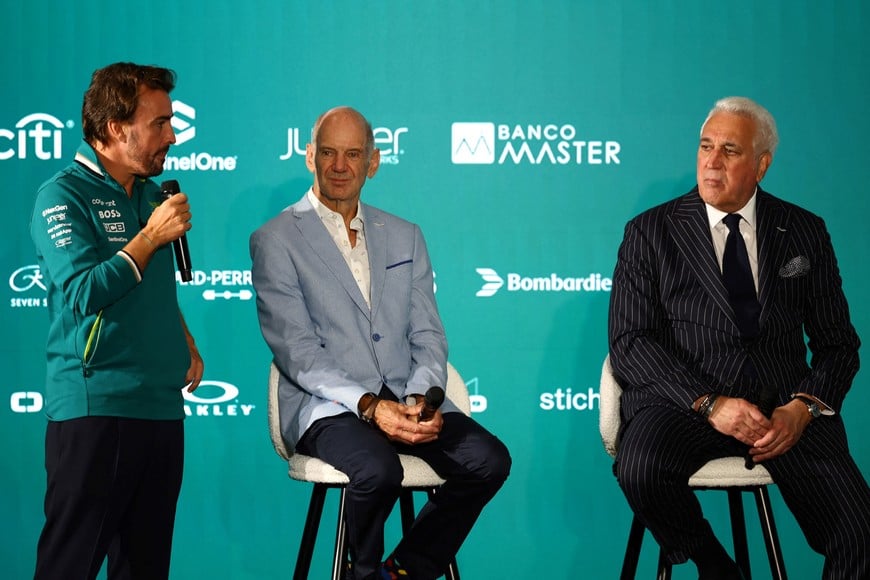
492 283
40 130
182 123
541 144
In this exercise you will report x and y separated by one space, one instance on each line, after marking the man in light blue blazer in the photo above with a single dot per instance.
346 303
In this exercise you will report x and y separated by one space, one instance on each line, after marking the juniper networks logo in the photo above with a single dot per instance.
547 144
493 282
390 143
182 121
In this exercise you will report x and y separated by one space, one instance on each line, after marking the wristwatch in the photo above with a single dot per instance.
366 407
812 406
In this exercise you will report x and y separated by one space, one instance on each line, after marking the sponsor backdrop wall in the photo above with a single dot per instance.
521 136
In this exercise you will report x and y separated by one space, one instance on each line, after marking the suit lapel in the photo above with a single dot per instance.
772 234
690 230
317 236
376 246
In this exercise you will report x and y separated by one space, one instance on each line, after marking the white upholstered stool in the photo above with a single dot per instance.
728 474
418 476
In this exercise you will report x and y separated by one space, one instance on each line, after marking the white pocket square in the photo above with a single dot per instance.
797 266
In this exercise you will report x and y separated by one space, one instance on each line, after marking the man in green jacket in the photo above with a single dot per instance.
118 350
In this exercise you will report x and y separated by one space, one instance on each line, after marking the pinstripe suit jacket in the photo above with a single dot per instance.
330 347
673 334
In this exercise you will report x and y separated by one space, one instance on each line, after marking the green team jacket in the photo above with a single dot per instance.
116 346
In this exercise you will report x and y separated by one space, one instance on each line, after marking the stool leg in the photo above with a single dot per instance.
632 550
738 531
768 530
309 532
339 560
664 572
406 508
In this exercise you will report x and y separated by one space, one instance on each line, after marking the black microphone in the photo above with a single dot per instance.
182 253
431 401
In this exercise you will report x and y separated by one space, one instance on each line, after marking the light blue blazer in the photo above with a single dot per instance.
329 346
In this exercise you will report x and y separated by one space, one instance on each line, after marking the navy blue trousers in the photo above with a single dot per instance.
818 479
112 488
473 462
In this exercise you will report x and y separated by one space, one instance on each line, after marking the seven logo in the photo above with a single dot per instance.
473 143
47 141
492 282
184 130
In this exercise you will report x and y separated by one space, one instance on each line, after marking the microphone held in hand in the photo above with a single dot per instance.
182 253
431 402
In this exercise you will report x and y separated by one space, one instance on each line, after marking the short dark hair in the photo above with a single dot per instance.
114 94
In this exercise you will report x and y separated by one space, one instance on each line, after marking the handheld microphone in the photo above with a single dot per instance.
182 253
431 402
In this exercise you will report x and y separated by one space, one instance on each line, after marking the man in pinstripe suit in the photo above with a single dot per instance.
698 385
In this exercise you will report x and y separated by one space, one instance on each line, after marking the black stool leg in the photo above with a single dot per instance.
664 572
339 560
406 509
738 531
632 550
309 532
768 530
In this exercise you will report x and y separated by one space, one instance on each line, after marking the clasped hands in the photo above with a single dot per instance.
400 423
766 437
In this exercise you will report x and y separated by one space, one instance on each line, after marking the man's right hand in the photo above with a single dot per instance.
169 220
740 419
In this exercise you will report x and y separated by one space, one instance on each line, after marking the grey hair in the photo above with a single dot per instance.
370 136
766 137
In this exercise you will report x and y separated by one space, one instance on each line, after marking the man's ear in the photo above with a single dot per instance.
117 131
309 157
374 163
763 163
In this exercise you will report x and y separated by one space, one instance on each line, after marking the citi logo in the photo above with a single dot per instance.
43 131
181 122
535 144
492 283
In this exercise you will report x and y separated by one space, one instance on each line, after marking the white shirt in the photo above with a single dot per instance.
356 257
748 223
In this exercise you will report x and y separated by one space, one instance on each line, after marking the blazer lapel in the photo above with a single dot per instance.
376 246
317 236
690 231
772 234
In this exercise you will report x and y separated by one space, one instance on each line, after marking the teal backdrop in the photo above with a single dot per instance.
521 136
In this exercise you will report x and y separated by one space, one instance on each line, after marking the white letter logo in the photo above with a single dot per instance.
473 143
185 131
492 282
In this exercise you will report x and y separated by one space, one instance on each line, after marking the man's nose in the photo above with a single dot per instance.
714 158
340 163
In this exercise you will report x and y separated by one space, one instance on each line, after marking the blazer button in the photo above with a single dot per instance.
376 337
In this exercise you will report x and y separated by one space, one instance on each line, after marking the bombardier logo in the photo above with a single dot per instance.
492 283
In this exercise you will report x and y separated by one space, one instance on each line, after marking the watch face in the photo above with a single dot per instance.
814 410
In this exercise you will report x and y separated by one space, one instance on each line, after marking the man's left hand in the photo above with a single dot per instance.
787 425
197 367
